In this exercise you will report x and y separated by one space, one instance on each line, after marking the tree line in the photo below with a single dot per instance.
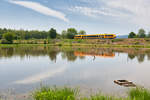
8 35
141 34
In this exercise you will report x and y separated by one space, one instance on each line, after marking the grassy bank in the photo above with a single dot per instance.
46 93
129 43
79 45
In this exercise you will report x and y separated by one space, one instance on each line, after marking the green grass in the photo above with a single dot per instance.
139 94
46 93
117 40
80 42
54 93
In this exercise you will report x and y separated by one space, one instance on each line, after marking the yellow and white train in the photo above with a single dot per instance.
96 36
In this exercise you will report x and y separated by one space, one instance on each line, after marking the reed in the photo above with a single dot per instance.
65 93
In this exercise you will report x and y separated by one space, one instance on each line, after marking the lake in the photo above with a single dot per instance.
25 68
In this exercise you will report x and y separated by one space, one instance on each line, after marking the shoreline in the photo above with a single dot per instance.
79 45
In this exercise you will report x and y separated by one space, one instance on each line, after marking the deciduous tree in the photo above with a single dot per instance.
71 32
52 33
82 32
132 35
141 33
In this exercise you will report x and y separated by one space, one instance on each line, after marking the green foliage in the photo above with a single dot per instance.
132 35
147 39
8 38
141 33
36 34
131 56
117 40
71 32
139 94
23 34
4 41
137 43
64 34
81 32
46 93
52 33
45 42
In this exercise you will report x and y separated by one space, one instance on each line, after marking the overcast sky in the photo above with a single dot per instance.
93 16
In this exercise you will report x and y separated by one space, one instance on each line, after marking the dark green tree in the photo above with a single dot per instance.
52 33
132 35
8 37
71 32
141 33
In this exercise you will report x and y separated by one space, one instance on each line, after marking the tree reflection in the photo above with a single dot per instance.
72 54
69 55
53 55
148 56
131 56
81 57
141 58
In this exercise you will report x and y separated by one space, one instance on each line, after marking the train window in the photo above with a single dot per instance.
93 36
109 35
101 36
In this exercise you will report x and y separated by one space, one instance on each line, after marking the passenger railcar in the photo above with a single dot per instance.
97 36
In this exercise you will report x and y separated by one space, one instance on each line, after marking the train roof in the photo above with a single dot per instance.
94 34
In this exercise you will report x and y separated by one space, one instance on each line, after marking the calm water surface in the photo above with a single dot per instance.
23 69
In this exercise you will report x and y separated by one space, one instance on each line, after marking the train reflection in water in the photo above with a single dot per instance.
94 54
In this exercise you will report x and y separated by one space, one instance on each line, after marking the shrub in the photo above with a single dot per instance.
4 41
9 37
45 42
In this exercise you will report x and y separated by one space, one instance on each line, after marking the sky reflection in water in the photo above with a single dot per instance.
24 68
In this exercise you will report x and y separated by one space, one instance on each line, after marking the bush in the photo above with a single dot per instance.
8 37
4 41
45 42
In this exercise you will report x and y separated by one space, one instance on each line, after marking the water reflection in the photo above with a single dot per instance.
98 54
41 76
73 53
26 67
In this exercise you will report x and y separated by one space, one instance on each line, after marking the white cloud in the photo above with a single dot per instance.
136 12
41 9
96 12
139 8
41 76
